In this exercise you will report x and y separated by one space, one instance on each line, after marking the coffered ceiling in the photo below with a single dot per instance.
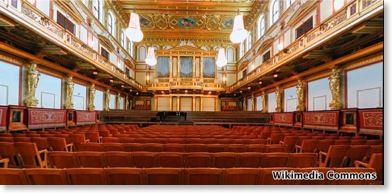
195 20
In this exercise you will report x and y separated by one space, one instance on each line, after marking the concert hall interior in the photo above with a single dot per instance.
192 92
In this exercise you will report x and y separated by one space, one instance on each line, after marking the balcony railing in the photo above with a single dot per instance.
342 20
35 20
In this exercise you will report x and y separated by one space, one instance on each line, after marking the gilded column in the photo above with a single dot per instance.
201 103
107 98
171 103
178 103
264 102
300 95
278 100
253 102
244 107
69 87
32 83
126 102
334 86
193 103
91 96
118 101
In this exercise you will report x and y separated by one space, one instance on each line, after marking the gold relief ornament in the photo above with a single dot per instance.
107 97
300 95
126 102
278 100
334 86
32 83
69 87
118 101
264 102
91 106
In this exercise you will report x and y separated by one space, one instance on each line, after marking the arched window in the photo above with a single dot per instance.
274 11
141 54
110 23
261 30
123 39
230 55
249 42
130 49
97 9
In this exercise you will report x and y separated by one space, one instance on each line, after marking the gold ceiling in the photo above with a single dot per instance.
195 20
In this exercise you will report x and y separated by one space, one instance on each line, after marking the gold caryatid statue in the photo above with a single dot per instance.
300 96
32 83
107 97
126 102
334 86
264 102
69 87
118 101
91 96
278 100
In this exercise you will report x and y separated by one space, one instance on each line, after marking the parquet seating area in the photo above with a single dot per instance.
164 154
176 176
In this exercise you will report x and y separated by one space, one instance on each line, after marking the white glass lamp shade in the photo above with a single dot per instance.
239 33
221 61
133 31
151 60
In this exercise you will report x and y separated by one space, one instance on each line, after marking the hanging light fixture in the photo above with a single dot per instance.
150 59
133 31
239 33
221 61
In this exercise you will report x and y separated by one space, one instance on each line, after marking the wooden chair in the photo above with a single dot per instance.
113 147
104 133
289 142
307 146
7 150
153 147
41 142
195 148
302 160
97 147
249 159
198 159
274 148
93 137
170 159
212 148
86 176
334 157
236 148
47 176
4 162
133 147
324 144
173 147
62 159
124 176
373 149
22 139
260 148
203 176
274 160
60 144
376 162
78 139
117 159
13 176
6 139
356 152
241 176
90 159
164 176
373 142
224 159
113 140
30 156
144 159
275 138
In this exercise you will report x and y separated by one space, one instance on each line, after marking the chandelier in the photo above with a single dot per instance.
133 31
221 61
150 59
239 33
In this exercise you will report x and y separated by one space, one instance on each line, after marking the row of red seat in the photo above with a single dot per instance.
186 176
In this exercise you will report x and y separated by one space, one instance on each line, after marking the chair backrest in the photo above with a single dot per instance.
216 148
62 159
289 142
203 176
124 176
260 148
86 176
153 147
272 148
13 176
249 159
117 159
236 148
224 159
113 147
144 159
373 149
274 160
302 160
173 147
48 176
30 157
91 159
335 156
133 147
164 176
170 159
41 142
195 148
308 145
57 143
324 144
241 176
93 136
198 159
356 152
7 150
92 147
